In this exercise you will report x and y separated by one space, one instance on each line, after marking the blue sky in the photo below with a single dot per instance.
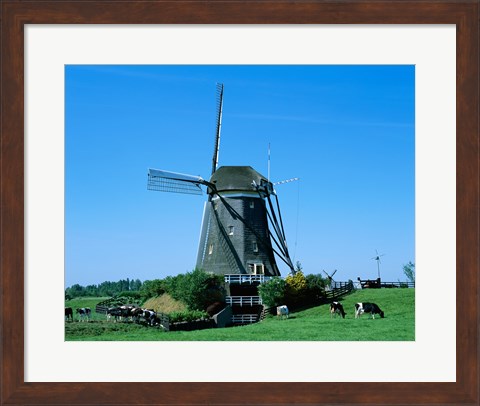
348 133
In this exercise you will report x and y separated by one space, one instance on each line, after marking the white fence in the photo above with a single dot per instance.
243 300
247 279
244 318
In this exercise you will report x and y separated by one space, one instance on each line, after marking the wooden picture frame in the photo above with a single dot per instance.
15 14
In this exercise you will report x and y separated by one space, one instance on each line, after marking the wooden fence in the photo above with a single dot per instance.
341 288
378 283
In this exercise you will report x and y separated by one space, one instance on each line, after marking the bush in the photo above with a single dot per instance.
272 292
134 295
152 288
188 315
296 288
316 286
196 289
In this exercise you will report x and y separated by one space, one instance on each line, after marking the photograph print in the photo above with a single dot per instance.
239 203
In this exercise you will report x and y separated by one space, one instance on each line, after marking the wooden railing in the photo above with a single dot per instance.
397 285
377 284
247 279
243 300
340 289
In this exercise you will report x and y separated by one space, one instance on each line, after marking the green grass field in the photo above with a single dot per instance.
314 324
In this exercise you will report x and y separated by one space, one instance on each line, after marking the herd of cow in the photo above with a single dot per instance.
121 313
336 309
134 313
149 317
84 313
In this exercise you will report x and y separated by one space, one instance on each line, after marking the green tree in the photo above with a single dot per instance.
316 286
197 289
152 288
272 292
409 271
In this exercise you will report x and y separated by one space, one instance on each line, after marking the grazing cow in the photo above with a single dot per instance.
151 317
366 307
282 311
127 312
84 313
336 309
114 312
148 315
68 314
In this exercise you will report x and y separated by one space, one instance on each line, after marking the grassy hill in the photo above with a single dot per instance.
164 304
314 324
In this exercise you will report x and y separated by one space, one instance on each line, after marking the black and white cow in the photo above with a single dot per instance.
148 315
282 311
336 309
84 313
68 314
127 311
366 307
114 312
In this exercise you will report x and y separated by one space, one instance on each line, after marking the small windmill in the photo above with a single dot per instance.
242 229
330 277
377 258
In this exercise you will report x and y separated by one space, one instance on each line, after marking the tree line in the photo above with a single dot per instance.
106 288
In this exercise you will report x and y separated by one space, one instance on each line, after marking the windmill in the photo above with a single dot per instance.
330 277
377 258
242 228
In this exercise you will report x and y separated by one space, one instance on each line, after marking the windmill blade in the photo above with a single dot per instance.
165 181
285 181
218 126
330 277
334 272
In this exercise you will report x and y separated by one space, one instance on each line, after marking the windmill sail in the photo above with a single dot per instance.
165 181
218 126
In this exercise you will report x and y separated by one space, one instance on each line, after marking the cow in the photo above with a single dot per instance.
336 309
127 312
84 313
366 307
148 315
114 312
68 314
282 311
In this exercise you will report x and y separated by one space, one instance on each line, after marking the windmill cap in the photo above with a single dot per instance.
238 178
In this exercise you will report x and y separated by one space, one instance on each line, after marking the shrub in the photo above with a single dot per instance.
272 292
316 286
132 294
188 315
296 288
196 289
152 288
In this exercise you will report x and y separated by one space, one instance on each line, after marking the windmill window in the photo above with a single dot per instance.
210 249
256 269
230 230
255 246
252 204
259 269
